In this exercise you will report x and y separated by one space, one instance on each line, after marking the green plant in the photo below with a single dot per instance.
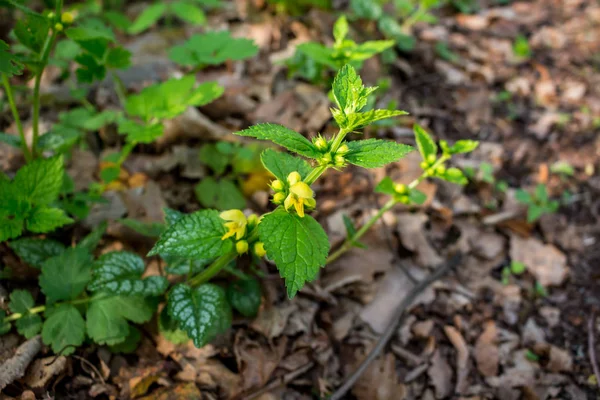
190 11
311 58
537 203
230 164
521 47
515 268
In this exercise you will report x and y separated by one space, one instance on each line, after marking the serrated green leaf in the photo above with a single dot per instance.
60 139
212 48
523 197
150 229
359 119
318 53
202 313
140 133
386 186
20 301
195 236
29 325
463 146
120 273
36 251
188 12
417 197
4 326
534 212
90 29
11 140
45 219
284 137
245 296
425 143
168 99
348 90
130 344
107 317
32 30
369 49
64 327
41 180
90 242
282 164
10 228
90 69
9 63
172 216
374 153
118 58
367 9
212 156
64 277
454 175
298 246
147 18
340 29
117 19
222 194
169 328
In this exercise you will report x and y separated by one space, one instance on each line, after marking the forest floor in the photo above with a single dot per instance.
473 334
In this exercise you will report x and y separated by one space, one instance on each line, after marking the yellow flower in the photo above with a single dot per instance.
277 185
300 195
236 224
241 247
67 18
259 249
293 178
278 197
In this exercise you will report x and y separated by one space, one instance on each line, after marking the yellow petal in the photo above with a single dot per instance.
229 234
233 215
240 232
289 201
302 190
299 208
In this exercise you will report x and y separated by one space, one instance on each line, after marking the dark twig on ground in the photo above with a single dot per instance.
592 347
397 319
281 381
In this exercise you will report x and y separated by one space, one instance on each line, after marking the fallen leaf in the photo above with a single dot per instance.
560 360
380 381
486 350
182 391
545 262
412 234
271 321
256 361
440 374
43 369
462 358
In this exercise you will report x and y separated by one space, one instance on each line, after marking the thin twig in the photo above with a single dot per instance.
92 366
592 347
283 380
397 319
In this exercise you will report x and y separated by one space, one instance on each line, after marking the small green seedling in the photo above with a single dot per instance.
189 11
521 48
515 268
537 203
312 58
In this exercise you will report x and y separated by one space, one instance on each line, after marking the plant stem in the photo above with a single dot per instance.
349 243
39 309
15 113
337 140
120 89
38 79
213 269
315 174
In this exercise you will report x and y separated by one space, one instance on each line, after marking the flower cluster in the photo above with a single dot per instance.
239 226
332 157
294 193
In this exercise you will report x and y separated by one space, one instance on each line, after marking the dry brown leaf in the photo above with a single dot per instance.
271 321
380 381
486 350
43 369
560 360
412 234
395 284
214 375
183 391
462 358
440 374
257 361
545 262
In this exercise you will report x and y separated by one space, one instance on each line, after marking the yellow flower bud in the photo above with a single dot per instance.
404 199
294 178
326 159
440 170
259 249
253 220
401 188
431 159
424 165
58 27
343 149
278 197
241 247
277 185
320 143
340 161
51 15
454 173
67 18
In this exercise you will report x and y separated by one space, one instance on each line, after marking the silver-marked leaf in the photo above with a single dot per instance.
202 313
374 153
35 251
195 236
298 246
120 272
291 140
